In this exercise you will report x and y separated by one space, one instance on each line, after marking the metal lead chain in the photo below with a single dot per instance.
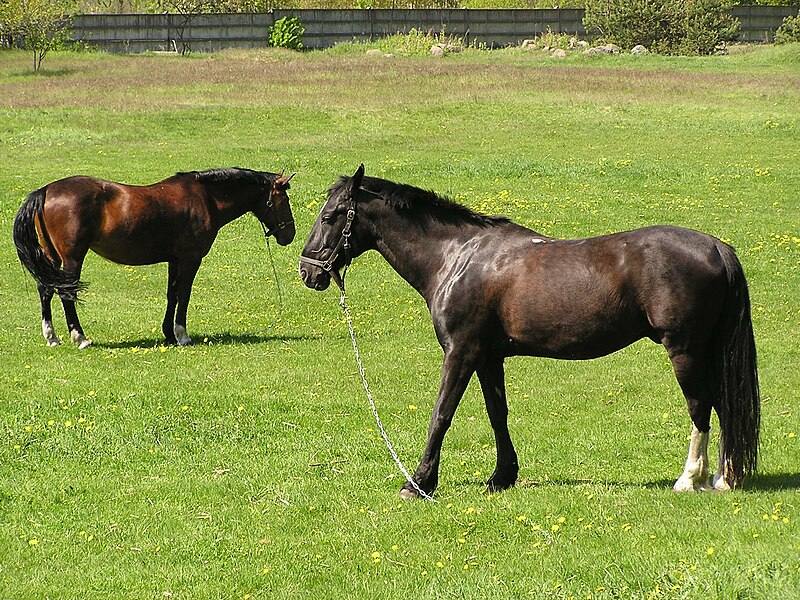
385 437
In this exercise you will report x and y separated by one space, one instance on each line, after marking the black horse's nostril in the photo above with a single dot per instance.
303 274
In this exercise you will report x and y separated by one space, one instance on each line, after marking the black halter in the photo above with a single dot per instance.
271 206
342 245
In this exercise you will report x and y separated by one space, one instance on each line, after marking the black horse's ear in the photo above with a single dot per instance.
355 182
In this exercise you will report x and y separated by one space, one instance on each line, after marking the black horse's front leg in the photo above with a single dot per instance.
456 372
492 378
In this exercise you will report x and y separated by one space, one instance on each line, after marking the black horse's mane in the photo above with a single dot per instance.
232 174
422 203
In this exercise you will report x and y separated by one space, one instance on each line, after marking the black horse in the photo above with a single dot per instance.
174 221
496 289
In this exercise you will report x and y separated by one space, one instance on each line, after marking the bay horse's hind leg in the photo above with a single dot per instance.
73 324
76 334
692 377
492 379
48 331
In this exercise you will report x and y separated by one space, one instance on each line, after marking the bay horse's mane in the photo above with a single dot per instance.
418 202
232 174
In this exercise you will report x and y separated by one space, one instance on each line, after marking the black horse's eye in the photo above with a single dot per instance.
328 218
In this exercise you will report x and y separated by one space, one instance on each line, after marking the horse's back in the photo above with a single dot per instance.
588 297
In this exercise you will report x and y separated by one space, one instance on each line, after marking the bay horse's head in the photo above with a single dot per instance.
329 247
275 213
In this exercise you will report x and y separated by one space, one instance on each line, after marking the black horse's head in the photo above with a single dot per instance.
275 213
330 246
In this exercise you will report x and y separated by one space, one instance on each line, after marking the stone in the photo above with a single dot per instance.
638 49
437 51
559 53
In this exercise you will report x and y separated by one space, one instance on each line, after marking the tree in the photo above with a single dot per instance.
187 11
666 26
36 25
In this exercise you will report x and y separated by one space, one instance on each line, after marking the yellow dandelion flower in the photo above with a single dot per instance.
710 550
33 542
439 565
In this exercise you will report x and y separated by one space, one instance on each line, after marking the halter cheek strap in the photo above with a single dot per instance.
342 245
281 224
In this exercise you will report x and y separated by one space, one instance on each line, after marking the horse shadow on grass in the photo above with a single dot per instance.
200 339
768 482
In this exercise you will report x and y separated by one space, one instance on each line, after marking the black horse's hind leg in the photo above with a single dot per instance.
691 373
48 331
492 378
168 325
186 275
456 373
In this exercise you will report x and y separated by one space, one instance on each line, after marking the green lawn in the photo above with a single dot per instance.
248 465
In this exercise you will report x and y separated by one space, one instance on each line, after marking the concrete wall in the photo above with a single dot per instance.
325 28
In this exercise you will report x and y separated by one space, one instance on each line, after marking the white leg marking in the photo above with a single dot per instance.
181 336
49 333
720 482
695 473
79 339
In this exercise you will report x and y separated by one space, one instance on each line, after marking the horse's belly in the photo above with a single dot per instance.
131 254
571 330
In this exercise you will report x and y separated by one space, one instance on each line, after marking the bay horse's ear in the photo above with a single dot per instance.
281 182
355 182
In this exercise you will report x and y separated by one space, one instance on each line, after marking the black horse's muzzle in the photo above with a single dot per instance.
317 274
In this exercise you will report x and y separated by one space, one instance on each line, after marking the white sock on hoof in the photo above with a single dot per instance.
49 333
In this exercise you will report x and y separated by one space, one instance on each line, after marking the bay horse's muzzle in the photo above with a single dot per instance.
284 233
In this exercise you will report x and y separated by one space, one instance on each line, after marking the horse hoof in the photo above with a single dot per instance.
720 485
407 494
181 336
80 340
53 343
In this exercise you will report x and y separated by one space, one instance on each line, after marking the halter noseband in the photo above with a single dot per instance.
343 244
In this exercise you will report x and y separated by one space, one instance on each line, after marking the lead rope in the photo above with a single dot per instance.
279 292
343 304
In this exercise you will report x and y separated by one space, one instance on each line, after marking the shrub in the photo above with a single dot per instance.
789 31
668 27
287 33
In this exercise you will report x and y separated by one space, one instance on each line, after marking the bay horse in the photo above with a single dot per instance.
174 221
496 289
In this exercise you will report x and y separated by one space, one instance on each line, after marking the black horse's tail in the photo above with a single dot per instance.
738 403
31 254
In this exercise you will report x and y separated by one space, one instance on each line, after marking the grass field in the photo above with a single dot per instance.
249 466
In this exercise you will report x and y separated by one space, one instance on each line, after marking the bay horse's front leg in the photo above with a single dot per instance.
492 378
186 275
456 373
168 324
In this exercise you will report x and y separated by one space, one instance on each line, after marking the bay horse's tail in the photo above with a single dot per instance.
738 396
31 254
